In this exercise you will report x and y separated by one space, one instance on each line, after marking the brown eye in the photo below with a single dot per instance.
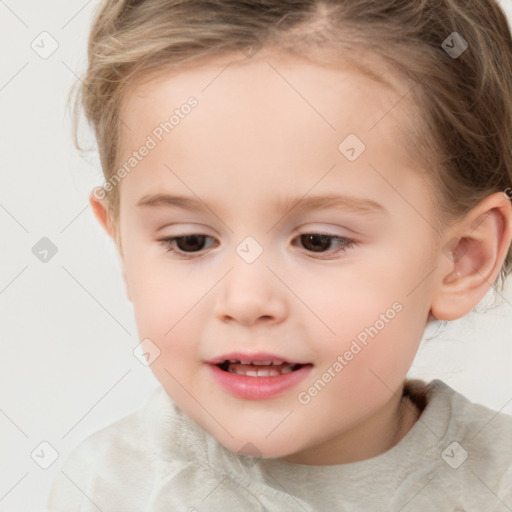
190 243
316 242
321 243
185 246
193 245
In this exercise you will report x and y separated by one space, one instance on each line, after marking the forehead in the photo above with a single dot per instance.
267 118
338 93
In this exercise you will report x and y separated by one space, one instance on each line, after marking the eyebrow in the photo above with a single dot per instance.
345 202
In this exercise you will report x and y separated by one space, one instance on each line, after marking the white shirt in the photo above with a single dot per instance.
457 457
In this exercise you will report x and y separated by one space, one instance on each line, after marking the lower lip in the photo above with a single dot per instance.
258 388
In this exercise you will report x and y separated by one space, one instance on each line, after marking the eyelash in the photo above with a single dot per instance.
167 243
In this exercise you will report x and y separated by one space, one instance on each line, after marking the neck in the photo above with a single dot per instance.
386 428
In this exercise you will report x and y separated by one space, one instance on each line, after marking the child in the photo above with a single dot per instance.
345 169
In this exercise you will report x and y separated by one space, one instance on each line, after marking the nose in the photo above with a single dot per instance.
251 293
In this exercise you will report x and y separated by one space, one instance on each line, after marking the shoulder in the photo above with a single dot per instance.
118 464
479 426
473 447
485 434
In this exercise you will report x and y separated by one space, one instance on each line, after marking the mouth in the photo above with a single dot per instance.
257 376
268 368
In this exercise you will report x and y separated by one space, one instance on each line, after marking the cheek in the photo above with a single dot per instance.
162 290
166 310
341 303
360 372
164 303
370 318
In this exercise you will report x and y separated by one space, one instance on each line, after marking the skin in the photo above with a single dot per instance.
252 142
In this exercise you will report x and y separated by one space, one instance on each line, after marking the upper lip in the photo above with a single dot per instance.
256 357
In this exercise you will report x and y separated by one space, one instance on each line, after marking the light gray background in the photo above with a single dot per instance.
67 330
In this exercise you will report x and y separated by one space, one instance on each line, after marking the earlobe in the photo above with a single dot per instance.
101 212
472 258
100 208
126 286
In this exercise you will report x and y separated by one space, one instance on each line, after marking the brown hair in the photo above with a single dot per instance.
462 135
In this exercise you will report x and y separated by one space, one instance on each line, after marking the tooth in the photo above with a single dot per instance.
245 362
259 371
262 362
233 361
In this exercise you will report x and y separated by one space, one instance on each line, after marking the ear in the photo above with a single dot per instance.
100 207
473 253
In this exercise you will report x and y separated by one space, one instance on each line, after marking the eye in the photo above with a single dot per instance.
185 244
321 242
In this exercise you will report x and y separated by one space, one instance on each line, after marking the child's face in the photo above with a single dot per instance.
265 134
